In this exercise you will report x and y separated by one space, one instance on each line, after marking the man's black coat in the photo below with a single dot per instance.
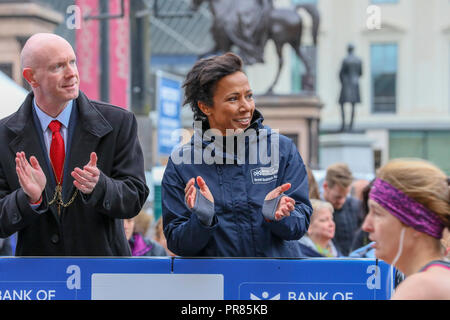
91 225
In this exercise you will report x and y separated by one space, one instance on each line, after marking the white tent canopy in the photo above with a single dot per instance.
12 95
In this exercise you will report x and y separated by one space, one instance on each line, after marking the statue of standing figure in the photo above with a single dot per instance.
351 71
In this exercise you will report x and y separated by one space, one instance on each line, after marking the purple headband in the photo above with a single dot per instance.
406 209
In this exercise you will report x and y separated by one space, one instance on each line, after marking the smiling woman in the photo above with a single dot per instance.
233 104
216 85
233 208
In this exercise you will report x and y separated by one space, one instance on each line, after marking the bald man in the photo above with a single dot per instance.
70 168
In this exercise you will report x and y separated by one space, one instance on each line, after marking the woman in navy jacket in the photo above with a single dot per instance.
238 188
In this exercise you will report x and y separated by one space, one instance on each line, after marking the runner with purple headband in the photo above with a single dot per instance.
409 207
406 209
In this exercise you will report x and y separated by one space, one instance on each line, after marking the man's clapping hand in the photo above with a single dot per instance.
87 179
31 177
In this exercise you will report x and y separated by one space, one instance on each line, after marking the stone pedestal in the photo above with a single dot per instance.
353 149
297 117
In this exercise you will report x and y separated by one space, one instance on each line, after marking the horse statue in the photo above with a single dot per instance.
249 24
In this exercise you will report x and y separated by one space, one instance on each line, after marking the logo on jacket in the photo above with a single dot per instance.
264 175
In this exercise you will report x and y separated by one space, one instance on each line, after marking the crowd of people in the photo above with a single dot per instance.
74 184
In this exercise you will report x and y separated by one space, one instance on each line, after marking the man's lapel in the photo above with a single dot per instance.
86 129
29 139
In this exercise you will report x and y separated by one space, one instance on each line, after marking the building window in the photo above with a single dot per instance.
428 145
383 60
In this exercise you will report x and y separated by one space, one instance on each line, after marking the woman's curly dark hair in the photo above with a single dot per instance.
201 80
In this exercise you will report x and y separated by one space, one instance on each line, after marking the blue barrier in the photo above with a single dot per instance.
177 278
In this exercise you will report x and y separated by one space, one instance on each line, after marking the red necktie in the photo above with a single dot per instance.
57 153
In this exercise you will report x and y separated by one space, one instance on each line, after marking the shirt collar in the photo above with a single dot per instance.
45 119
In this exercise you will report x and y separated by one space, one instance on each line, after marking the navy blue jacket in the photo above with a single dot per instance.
238 228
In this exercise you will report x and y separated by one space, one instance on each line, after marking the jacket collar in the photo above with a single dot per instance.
90 118
202 136
257 120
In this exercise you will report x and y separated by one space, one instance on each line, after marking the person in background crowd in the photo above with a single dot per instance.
362 245
160 237
318 242
357 188
409 207
361 238
232 204
336 189
135 230
312 184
